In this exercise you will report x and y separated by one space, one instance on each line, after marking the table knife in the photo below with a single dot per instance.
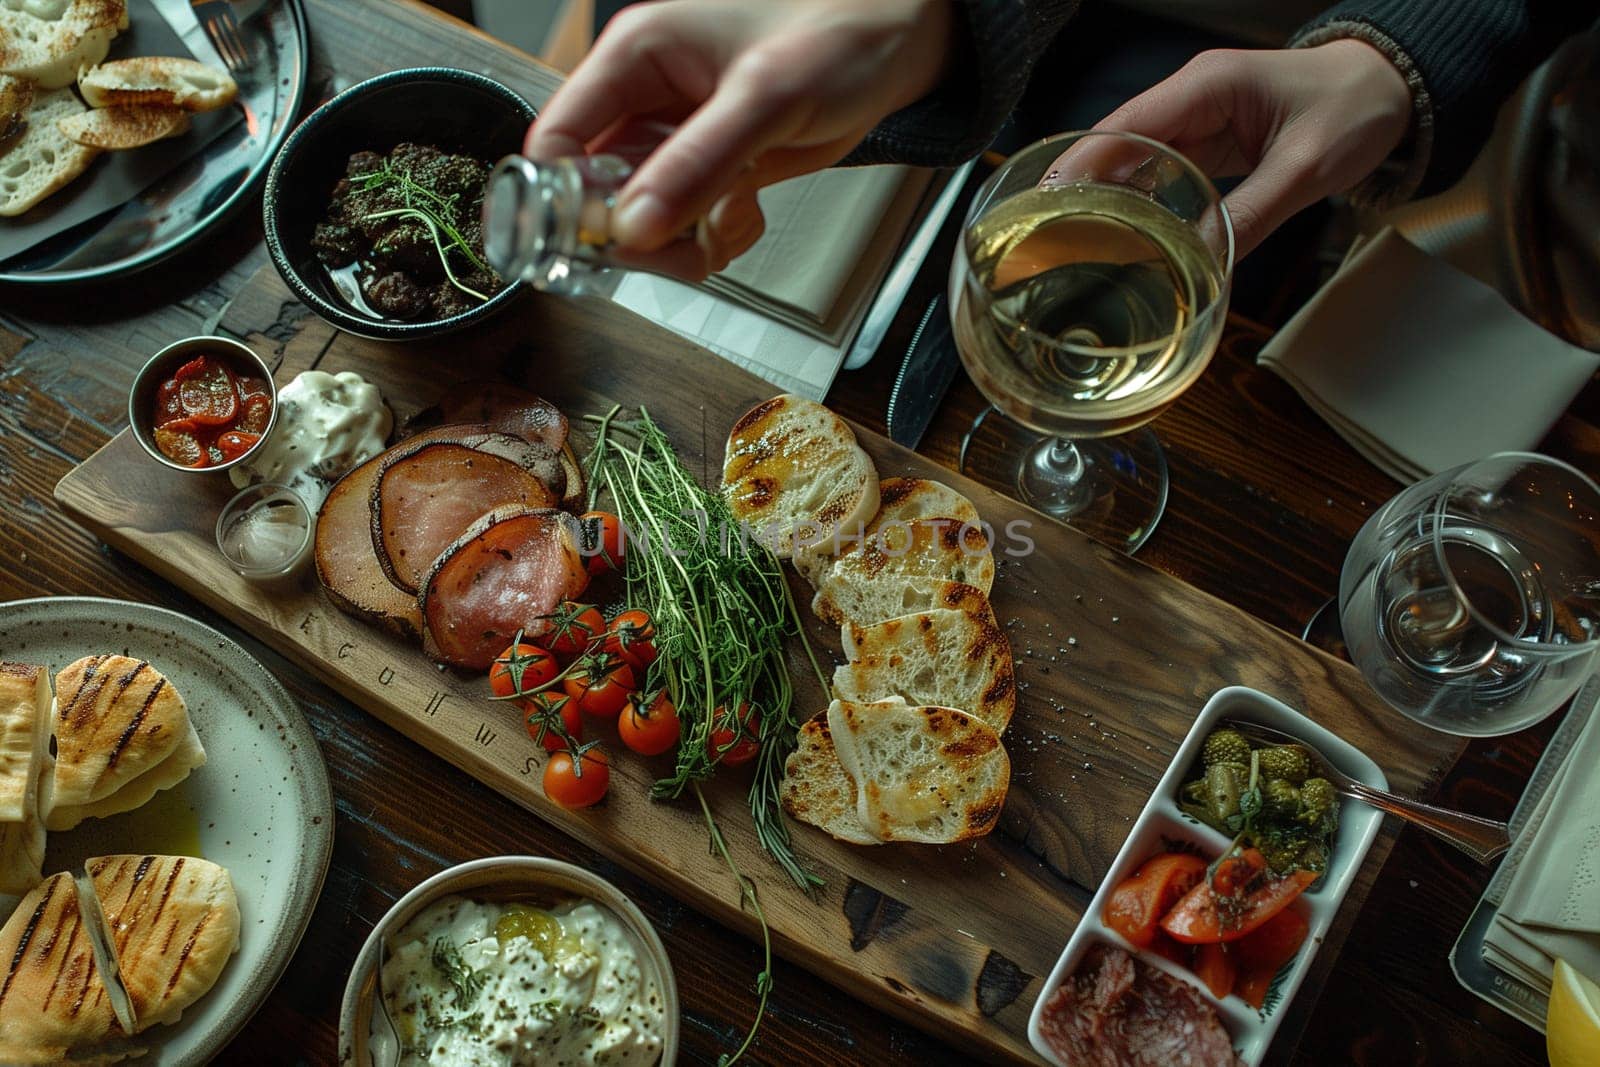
925 376
892 293
178 15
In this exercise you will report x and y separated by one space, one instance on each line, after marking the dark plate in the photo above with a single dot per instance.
456 110
194 198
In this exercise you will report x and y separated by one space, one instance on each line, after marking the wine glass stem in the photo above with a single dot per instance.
1065 460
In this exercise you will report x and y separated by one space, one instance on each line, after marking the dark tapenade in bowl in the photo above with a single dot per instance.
372 207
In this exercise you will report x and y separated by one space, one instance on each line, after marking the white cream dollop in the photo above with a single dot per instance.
327 425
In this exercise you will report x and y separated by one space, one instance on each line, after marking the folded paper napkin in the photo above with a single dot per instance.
1552 902
830 235
1421 367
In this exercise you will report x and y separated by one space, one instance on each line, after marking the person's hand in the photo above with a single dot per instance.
755 90
1301 124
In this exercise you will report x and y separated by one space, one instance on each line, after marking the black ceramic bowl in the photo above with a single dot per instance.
456 110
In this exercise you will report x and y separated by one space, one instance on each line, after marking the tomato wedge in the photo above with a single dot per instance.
1138 903
1198 920
206 392
233 444
1262 955
1217 966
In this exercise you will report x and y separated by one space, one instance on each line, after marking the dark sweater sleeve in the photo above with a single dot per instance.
1463 58
997 44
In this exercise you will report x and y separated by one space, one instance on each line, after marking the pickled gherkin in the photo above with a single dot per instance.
1289 762
1226 746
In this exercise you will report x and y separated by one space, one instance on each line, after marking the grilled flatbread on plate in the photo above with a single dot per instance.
793 471
925 774
53 999
817 790
119 128
122 734
172 923
24 760
952 659
47 41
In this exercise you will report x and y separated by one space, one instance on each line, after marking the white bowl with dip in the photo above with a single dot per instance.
498 881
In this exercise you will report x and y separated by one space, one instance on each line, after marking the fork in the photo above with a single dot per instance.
1482 839
216 16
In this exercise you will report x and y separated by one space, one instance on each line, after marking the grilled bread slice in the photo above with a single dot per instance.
122 734
24 760
158 81
172 923
927 774
119 128
48 41
793 472
817 790
54 1005
952 659
939 549
899 500
41 159
16 97
865 603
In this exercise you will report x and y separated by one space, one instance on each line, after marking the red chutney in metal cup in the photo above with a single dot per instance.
206 415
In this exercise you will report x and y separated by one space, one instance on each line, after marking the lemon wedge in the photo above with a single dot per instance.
1572 1028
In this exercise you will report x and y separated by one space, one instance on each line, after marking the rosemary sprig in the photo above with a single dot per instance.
429 208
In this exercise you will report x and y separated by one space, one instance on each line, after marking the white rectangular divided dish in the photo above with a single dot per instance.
1162 821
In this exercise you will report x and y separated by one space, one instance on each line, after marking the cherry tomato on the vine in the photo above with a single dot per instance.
649 726
573 628
735 739
632 635
554 721
602 545
522 669
600 684
577 783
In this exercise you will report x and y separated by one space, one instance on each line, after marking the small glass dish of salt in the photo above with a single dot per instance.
265 533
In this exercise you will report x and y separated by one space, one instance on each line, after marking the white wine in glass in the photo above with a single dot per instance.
1083 309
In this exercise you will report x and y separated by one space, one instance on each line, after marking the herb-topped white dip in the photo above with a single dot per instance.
470 983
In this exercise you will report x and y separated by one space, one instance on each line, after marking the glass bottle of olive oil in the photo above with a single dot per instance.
549 223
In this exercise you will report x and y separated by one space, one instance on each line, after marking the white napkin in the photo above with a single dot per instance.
829 238
1552 904
1421 367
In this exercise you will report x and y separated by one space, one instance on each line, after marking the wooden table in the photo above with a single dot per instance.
1265 497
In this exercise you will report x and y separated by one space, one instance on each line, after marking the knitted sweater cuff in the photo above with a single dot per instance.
997 44
1397 178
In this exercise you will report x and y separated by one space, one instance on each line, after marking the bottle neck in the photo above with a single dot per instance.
549 223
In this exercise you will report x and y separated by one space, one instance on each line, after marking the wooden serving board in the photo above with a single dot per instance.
1114 659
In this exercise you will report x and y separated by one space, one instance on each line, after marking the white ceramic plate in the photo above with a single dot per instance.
260 806
1162 821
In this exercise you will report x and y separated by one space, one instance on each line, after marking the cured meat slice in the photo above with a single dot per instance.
347 566
508 570
426 494
503 408
1117 1011
496 406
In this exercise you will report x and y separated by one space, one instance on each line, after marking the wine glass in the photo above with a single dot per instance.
1471 601
1083 308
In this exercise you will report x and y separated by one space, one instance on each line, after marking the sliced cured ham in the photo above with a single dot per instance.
514 566
1115 1010
426 494
495 406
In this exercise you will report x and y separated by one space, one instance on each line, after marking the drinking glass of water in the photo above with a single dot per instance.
1085 306
1471 601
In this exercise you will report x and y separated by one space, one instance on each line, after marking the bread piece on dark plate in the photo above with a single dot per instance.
49 42
159 81
16 97
41 159
116 129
